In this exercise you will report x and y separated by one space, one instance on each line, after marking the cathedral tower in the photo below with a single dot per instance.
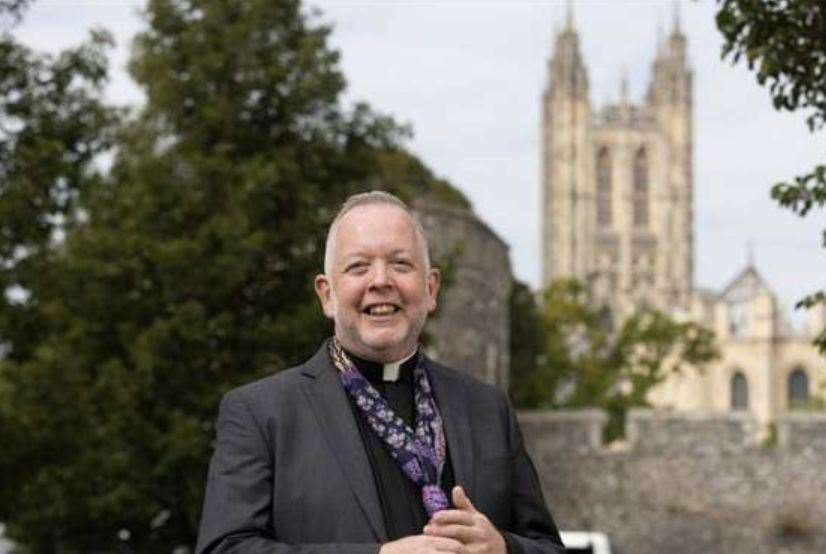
617 182
566 195
670 102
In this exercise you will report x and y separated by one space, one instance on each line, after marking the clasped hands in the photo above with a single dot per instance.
462 530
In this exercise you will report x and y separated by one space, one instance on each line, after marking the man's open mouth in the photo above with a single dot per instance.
381 309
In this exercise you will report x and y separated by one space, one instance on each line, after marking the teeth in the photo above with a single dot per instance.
382 309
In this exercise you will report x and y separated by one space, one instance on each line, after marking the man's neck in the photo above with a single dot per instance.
391 369
385 371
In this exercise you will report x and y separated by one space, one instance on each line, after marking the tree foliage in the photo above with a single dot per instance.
13 9
579 360
146 292
529 387
784 42
52 126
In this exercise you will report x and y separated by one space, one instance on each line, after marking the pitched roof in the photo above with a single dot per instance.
749 281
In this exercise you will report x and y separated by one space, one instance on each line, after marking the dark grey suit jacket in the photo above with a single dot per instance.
290 474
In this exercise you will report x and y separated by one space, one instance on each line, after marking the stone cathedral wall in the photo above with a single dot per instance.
686 483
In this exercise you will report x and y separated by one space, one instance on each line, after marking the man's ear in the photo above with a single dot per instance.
325 294
434 281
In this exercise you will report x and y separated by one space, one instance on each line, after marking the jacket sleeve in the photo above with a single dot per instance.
532 529
237 508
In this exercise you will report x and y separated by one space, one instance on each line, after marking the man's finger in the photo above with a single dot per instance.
460 499
444 544
463 533
457 517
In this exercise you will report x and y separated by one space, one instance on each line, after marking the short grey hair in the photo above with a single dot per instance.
374 197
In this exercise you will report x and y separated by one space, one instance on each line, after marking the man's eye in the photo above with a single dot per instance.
358 267
403 264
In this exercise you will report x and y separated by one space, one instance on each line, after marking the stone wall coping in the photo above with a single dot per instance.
647 414
587 415
789 424
593 420
802 417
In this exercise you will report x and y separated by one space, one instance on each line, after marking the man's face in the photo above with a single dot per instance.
377 290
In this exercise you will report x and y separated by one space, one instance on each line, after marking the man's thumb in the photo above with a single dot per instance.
460 499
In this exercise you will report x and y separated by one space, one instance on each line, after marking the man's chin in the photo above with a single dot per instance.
385 350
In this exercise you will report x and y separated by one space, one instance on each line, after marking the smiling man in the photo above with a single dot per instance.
378 286
369 446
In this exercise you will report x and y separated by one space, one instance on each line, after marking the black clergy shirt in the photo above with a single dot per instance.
400 498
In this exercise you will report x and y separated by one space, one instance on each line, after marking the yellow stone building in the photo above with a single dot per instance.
617 214
766 367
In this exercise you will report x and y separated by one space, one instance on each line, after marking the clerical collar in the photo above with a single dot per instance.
390 372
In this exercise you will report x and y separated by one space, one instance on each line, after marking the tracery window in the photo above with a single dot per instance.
798 388
739 392
640 190
604 188
738 319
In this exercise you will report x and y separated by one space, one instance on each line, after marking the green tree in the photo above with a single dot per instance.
52 126
583 362
184 271
13 9
529 387
784 42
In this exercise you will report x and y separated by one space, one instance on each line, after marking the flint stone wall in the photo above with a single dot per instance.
471 328
686 483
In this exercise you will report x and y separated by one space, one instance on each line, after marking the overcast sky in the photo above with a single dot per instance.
468 75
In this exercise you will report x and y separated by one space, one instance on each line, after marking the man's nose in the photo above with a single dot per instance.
380 276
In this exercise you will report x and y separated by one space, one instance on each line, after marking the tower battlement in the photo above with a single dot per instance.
667 432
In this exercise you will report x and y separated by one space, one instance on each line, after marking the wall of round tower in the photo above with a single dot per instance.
470 330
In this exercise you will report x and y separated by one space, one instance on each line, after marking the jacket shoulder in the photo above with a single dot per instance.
274 385
284 381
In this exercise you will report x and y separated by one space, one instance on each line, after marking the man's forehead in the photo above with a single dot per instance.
366 251
375 225
371 218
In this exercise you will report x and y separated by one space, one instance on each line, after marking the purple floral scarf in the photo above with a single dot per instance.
421 453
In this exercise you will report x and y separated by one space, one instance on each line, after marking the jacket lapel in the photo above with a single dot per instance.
450 398
332 410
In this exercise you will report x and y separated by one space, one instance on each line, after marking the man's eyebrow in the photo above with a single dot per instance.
398 251
347 259
359 255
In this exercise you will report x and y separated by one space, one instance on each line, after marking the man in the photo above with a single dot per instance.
369 446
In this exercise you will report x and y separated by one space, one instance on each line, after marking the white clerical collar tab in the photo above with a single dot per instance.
392 369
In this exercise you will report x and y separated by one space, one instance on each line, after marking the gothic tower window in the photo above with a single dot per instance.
739 392
798 388
604 204
640 192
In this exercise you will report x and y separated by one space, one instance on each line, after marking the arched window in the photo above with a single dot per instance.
604 189
739 392
640 192
798 388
